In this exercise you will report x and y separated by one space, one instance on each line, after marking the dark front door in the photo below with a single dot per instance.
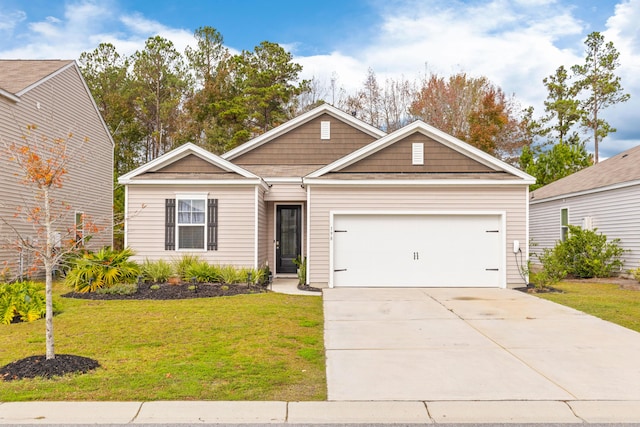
288 237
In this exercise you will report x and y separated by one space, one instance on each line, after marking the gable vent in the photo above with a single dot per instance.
417 153
325 130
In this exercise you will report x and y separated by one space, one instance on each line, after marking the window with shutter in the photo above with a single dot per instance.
191 222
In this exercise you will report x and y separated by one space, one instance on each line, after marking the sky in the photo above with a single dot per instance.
514 43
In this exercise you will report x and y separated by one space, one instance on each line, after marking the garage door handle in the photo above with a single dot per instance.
340 269
492 269
339 231
493 231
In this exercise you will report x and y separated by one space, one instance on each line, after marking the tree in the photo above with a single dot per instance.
551 165
43 163
596 77
475 111
562 107
161 83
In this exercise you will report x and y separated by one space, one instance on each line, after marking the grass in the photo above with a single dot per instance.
245 347
606 301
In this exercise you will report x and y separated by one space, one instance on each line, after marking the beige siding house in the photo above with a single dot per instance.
52 95
605 196
416 207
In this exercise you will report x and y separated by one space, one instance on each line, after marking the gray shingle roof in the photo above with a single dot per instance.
624 167
18 74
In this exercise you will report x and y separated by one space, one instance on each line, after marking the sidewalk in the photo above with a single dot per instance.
437 412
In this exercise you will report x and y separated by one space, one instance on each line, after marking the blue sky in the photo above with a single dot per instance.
515 43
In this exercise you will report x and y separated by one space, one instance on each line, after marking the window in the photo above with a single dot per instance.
564 224
191 221
79 228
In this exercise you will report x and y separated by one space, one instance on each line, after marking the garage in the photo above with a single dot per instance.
418 250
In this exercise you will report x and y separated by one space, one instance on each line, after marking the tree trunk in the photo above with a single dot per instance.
48 268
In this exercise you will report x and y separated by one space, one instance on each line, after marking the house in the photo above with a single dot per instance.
415 207
52 95
605 196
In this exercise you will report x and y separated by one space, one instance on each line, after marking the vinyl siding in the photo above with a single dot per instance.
510 199
263 239
286 193
236 223
615 213
64 106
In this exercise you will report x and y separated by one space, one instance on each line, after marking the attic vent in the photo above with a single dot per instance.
325 130
417 153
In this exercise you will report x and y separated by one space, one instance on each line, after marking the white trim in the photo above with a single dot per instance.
198 182
431 132
300 120
255 229
568 222
402 182
527 235
126 216
502 283
283 180
9 95
584 192
275 232
181 152
191 196
308 239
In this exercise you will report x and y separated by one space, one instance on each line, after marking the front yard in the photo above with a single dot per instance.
245 347
606 301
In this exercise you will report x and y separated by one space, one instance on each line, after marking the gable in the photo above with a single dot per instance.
191 164
397 158
303 145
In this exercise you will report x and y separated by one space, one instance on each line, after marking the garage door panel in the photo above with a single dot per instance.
417 250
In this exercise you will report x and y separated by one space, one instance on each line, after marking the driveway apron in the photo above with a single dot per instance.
472 344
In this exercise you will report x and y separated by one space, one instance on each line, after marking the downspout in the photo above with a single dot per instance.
308 232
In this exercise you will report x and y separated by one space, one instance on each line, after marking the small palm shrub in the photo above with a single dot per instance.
21 301
156 271
230 275
203 272
102 269
181 264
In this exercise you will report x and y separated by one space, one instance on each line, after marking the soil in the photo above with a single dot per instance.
38 366
622 282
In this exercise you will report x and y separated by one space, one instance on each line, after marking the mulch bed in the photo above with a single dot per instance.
166 291
38 366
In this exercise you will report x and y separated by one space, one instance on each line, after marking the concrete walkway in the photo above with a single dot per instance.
425 356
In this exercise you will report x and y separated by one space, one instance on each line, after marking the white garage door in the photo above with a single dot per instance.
417 250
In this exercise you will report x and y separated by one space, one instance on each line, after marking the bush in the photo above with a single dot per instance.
102 269
156 271
23 301
203 272
229 275
636 274
183 263
584 254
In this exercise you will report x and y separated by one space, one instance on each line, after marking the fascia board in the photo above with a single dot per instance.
297 121
169 182
181 152
584 192
422 182
9 95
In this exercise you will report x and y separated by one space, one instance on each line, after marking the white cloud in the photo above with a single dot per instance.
9 20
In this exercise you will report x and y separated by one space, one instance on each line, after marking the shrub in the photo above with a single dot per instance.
584 254
156 271
102 269
23 301
636 274
203 272
181 264
230 275
301 263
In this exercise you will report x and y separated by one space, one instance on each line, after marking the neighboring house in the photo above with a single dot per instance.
416 207
52 95
605 196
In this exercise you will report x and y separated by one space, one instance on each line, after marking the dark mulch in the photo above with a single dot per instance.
304 287
39 366
166 291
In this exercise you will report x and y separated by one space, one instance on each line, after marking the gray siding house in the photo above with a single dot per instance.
52 95
415 207
605 196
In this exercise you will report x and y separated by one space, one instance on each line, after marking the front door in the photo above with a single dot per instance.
288 237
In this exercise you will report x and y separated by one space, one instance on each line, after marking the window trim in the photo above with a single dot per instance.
191 196
564 228
79 235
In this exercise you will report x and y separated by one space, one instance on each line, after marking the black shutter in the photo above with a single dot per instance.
212 225
170 225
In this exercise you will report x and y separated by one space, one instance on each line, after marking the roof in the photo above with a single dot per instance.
619 169
439 136
18 75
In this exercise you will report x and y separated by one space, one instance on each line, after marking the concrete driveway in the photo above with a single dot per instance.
472 344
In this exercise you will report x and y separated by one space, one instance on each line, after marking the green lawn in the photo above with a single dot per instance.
605 301
246 347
